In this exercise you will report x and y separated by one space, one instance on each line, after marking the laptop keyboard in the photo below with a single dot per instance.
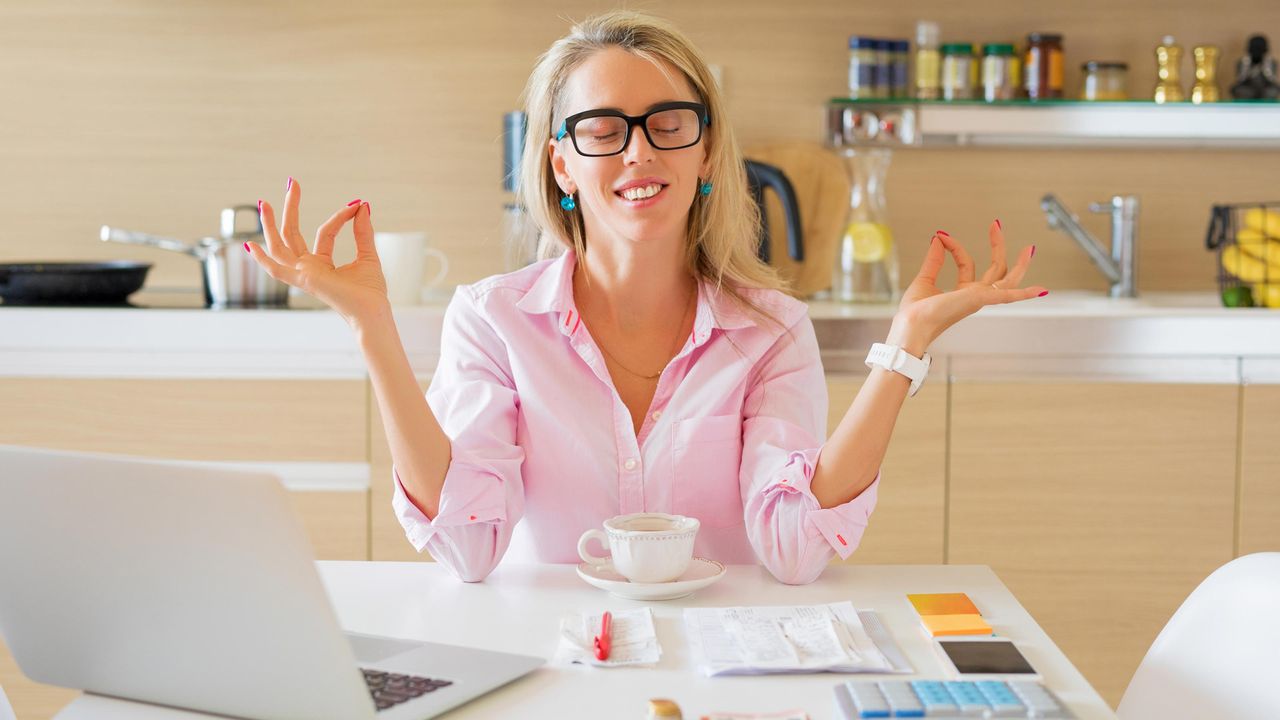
390 689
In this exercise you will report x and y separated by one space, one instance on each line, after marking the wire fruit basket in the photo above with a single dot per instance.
1246 238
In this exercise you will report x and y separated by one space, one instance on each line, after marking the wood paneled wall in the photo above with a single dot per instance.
152 116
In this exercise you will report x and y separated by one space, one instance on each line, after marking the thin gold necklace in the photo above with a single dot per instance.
674 348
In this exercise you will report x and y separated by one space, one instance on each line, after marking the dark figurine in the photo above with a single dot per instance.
1256 74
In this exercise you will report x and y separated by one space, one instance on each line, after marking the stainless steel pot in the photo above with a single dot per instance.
232 278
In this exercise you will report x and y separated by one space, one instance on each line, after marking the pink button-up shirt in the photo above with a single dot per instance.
543 448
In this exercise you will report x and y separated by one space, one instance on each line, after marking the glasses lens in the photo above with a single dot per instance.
600 135
671 129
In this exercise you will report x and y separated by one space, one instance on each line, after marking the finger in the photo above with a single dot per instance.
999 256
363 228
963 262
291 234
996 296
1014 278
933 261
283 273
275 246
327 233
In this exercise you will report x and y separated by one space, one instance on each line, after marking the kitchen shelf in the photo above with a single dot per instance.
1052 123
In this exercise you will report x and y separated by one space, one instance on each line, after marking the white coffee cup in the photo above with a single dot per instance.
404 260
644 547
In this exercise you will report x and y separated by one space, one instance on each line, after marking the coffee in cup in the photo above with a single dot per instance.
644 547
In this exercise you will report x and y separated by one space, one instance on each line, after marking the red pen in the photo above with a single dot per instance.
602 640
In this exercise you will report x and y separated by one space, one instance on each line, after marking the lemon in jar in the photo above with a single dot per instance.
871 241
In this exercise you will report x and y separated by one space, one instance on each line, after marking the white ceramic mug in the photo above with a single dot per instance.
404 259
644 547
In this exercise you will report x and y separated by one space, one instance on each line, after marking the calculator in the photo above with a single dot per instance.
948 699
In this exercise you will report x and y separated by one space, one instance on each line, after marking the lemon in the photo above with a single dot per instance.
871 241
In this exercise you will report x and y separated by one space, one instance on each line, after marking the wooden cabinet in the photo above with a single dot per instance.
277 421
1260 458
907 525
1101 505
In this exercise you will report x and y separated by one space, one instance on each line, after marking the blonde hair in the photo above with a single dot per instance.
723 228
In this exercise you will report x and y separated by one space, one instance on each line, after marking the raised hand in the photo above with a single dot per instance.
926 311
353 290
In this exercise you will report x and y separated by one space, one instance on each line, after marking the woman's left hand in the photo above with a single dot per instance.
926 311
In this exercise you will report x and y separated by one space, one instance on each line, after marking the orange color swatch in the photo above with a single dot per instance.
949 614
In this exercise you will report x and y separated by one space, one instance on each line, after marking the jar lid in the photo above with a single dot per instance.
900 45
957 49
858 41
997 49
1093 65
1036 37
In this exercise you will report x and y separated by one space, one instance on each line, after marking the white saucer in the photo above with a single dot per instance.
701 573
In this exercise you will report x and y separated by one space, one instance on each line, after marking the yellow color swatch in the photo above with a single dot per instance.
949 614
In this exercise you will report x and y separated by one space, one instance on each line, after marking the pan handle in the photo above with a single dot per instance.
110 234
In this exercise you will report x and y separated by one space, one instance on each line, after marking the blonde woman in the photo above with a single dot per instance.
649 361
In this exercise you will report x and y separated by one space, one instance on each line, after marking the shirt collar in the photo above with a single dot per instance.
553 292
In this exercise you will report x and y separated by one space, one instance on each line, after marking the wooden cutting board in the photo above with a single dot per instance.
822 192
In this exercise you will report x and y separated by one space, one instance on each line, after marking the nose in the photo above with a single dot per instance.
638 149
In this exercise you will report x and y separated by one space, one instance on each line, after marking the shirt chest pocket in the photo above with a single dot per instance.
707 457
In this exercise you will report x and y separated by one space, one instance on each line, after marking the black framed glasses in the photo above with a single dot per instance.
668 126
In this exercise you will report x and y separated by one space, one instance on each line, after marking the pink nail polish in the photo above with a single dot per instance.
999 224
943 233
259 207
1033 251
1046 292
289 185
369 209
246 249
353 202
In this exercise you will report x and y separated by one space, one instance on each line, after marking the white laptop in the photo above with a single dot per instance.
195 588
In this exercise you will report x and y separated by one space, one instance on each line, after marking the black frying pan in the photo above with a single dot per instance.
70 283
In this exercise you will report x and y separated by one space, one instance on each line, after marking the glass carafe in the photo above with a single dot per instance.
866 268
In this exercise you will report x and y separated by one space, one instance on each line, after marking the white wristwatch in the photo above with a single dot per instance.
895 359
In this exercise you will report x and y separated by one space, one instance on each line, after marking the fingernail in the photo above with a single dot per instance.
289 186
999 224
246 248
259 207
369 209
1046 292
353 202
1033 251
943 233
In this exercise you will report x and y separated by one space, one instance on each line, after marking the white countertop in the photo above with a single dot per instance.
517 609
311 342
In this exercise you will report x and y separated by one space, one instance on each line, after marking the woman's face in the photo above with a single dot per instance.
615 79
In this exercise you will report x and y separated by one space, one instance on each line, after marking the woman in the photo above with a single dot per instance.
649 361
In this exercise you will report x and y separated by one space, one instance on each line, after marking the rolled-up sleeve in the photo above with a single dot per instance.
785 417
475 401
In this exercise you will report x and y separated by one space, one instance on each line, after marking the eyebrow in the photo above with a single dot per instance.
654 105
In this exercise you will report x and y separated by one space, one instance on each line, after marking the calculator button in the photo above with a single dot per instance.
1001 699
902 699
868 702
934 697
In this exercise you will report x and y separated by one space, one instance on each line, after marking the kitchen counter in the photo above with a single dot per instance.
1172 336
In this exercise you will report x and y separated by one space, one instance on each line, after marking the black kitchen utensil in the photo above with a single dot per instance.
760 176
71 283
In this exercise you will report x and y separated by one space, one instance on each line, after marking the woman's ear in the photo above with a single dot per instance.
558 168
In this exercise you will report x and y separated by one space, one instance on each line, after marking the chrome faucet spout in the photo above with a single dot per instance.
1119 265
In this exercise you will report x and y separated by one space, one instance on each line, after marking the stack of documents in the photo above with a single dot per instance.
801 639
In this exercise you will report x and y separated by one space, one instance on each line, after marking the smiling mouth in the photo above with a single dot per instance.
641 193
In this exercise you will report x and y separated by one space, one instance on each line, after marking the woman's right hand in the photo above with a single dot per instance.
355 290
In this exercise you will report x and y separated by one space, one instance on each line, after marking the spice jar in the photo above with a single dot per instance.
1105 81
899 59
959 73
928 61
1044 66
999 72
862 67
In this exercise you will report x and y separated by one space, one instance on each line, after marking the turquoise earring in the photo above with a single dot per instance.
704 188
567 203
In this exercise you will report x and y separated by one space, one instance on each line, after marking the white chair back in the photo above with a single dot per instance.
6 710
1219 655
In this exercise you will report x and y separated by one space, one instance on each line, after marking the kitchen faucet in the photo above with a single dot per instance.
1121 266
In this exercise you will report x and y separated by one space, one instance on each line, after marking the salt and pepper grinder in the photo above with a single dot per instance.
1168 72
1205 89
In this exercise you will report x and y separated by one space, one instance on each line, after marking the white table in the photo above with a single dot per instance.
519 606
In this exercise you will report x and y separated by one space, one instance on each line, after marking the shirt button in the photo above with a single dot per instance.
656 414
630 464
